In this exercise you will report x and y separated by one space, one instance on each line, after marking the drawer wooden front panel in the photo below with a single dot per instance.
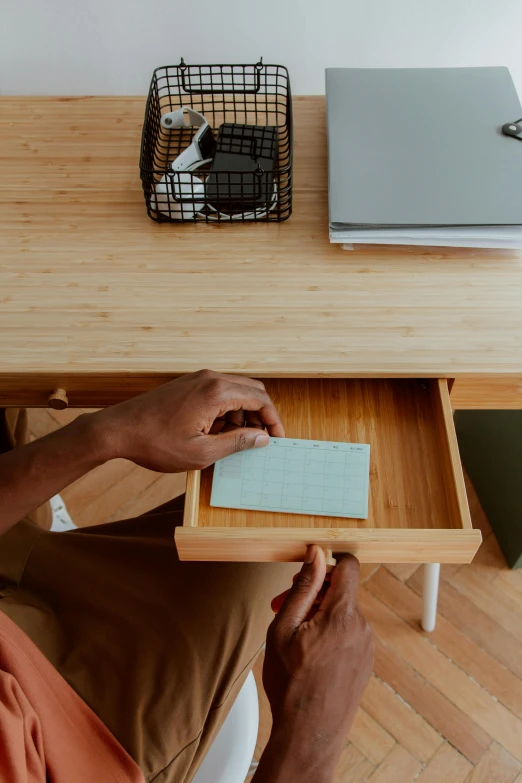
418 509
92 390
487 393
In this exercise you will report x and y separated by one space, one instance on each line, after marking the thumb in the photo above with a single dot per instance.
240 439
300 599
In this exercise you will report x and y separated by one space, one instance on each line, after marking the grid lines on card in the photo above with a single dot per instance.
296 476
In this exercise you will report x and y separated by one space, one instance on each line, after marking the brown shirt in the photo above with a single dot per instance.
47 732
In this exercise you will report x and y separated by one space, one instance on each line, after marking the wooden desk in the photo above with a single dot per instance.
97 298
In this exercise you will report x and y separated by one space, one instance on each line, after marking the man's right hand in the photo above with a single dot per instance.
317 664
190 422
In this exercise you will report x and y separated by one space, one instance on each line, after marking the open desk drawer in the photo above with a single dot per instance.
418 510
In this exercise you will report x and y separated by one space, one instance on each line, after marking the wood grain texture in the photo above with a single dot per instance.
484 668
446 676
477 624
510 583
489 558
97 489
106 505
417 511
95 389
402 571
490 393
353 767
370 737
267 544
490 599
453 723
496 766
404 724
90 389
166 487
447 765
89 284
192 490
398 767
402 422
448 454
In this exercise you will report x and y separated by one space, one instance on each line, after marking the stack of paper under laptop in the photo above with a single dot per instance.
418 157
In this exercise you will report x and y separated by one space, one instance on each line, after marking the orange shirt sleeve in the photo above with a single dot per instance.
47 732
22 758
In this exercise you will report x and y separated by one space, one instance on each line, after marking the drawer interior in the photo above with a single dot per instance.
403 423
416 481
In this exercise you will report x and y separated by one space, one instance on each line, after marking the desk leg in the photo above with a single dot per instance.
430 595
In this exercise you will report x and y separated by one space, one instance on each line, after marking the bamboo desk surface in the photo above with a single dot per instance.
90 286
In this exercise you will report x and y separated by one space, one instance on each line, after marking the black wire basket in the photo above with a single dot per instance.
249 111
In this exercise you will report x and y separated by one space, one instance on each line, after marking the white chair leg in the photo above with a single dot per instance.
430 595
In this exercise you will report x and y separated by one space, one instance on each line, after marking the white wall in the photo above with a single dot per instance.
112 46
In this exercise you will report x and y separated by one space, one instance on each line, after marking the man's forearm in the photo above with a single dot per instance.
287 760
32 474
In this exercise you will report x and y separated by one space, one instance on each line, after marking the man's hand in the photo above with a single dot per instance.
188 423
191 422
318 660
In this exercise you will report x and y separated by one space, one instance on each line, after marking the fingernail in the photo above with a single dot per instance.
261 440
310 554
